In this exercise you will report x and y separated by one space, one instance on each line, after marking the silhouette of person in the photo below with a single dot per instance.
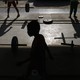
73 7
38 49
9 2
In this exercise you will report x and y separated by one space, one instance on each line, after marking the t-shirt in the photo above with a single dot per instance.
38 52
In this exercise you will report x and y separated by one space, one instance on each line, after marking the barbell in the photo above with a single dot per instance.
14 44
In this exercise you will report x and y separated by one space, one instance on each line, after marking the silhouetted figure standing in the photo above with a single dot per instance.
73 7
13 2
38 49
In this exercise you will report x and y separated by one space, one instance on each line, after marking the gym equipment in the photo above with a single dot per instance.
47 21
27 7
14 44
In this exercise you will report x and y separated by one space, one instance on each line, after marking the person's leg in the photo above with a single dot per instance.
71 10
9 4
14 4
75 11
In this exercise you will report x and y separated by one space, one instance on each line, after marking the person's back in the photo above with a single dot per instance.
38 51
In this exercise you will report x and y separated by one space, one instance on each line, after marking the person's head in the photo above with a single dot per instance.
33 28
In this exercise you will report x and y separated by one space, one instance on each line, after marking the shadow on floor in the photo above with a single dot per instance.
50 3
64 66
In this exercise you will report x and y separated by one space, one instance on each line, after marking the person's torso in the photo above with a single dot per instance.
38 48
